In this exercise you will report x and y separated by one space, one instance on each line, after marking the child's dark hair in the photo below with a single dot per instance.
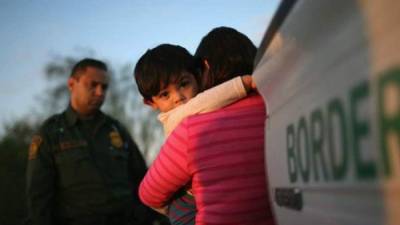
161 66
229 54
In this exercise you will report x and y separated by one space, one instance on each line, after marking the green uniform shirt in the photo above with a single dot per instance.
81 169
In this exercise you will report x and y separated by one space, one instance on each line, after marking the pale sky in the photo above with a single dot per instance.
32 32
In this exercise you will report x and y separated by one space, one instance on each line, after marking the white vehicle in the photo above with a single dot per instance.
329 72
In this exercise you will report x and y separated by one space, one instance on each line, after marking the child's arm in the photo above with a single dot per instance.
207 101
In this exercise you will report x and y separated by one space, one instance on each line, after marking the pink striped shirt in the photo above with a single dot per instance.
222 153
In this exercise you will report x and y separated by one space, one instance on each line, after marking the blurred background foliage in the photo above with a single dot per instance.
123 103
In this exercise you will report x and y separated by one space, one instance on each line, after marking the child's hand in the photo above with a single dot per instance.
248 83
162 210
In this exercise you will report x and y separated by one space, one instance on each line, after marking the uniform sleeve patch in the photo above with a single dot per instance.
116 139
34 147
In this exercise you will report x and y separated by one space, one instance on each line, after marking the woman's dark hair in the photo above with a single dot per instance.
229 54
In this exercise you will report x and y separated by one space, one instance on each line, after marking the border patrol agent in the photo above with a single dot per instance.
83 166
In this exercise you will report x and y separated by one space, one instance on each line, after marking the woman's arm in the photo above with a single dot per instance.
169 171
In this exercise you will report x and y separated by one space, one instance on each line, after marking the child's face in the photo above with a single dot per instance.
175 94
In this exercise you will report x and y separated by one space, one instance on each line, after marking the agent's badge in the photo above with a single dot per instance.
116 139
34 147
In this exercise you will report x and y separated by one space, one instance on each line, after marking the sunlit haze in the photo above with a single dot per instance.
34 31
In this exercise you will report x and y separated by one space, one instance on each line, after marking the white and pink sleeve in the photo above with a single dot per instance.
206 101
